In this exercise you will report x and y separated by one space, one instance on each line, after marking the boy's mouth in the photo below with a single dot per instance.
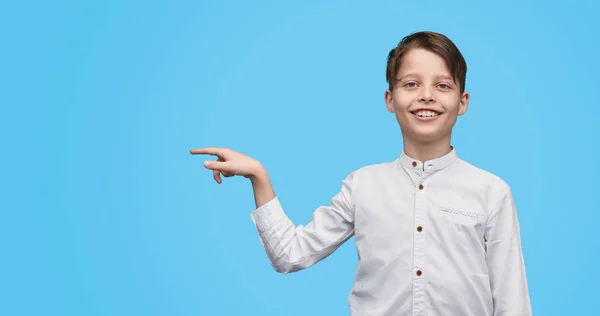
426 113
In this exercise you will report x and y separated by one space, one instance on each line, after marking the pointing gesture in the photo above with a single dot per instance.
229 163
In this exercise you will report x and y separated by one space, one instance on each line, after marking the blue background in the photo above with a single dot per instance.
105 212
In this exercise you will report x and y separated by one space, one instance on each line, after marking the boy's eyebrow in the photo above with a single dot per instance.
448 77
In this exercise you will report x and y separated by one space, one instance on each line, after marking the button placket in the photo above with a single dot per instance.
419 248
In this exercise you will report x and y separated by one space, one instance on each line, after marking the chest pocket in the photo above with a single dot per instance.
465 229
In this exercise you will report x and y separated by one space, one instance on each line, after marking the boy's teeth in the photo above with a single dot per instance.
426 113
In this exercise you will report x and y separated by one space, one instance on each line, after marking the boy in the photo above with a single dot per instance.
435 235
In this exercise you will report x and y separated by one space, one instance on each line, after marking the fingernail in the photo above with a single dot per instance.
207 164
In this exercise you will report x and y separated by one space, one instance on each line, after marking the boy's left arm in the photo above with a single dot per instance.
504 257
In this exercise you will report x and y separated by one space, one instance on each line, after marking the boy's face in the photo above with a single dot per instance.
425 99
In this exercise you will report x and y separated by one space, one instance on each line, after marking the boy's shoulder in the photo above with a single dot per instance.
492 183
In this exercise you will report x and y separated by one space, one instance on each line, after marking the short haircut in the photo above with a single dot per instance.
433 42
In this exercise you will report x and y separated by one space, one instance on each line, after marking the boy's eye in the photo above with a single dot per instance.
443 86
411 84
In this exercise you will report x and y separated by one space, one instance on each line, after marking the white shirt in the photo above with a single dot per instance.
439 238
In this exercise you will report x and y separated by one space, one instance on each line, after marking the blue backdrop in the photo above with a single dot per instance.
105 212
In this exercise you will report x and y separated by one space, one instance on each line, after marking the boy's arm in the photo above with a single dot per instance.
504 256
291 248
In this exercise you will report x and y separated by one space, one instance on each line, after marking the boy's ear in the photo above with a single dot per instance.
389 101
464 103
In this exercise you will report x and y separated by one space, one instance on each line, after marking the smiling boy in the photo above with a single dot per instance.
435 235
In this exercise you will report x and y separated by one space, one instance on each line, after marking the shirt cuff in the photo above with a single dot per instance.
267 215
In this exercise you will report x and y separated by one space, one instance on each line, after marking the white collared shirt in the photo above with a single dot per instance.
439 238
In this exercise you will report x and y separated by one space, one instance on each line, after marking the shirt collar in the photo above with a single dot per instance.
429 165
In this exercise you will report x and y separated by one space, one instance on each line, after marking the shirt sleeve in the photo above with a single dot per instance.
291 248
505 260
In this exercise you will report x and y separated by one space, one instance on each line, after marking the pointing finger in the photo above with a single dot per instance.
208 151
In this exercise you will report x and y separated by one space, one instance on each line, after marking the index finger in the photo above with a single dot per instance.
208 151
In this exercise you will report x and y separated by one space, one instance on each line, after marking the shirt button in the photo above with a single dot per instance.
420 187
414 164
419 273
419 229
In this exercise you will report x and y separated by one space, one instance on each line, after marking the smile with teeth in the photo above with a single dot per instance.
425 113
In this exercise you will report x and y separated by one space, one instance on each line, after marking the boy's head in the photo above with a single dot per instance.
426 74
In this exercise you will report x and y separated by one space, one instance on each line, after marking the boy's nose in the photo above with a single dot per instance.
427 98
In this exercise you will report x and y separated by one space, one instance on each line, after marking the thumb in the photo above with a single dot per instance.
218 165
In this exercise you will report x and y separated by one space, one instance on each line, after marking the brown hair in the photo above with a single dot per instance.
436 43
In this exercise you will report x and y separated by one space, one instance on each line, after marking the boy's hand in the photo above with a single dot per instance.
229 163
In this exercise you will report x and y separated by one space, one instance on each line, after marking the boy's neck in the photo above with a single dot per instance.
425 152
